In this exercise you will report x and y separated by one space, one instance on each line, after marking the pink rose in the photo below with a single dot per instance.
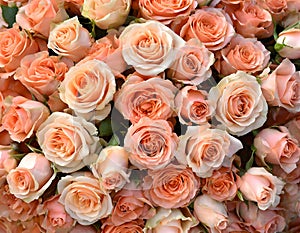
9 227
205 150
277 146
287 43
153 98
150 143
192 106
111 168
212 213
212 26
240 104
192 64
135 226
244 54
171 187
165 11
262 187
86 229
276 8
83 198
73 6
282 87
293 127
70 39
7 163
55 103
23 117
30 179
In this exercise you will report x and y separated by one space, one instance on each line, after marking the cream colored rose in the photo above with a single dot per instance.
88 88
69 142
240 104
83 198
149 47
70 39
204 149
106 14
111 168
31 178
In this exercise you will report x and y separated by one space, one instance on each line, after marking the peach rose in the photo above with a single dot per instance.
7 163
192 64
171 187
86 229
282 87
111 168
192 106
9 227
165 11
135 226
83 198
287 43
34 225
212 26
55 103
240 104
149 47
37 15
30 179
293 127
212 213
106 14
41 73
262 187
205 150
277 8
56 219
171 220
23 117
277 146
152 98
88 88
69 142
70 39
244 54
150 143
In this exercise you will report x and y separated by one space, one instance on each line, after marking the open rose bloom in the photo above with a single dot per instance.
147 116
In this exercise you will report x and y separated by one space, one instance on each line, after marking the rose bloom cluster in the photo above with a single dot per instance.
149 116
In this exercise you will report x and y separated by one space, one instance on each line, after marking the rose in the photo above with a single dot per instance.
287 43
73 6
2 21
171 187
165 11
83 198
205 150
9 227
262 187
240 104
276 8
282 87
30 179
88 88
36 15
192 64
212 213
290 201
7 163
111 168
192 106
135 226
153 98
86 229
67 141
293 127
149 47
41 73
211 26
222 185
106 14
150 143
244 54
55 103
70 39
23 117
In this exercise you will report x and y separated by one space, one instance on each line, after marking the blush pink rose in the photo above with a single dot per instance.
150 143
282 87
243 54
7 163
171 187
204 149
30 179
165 11
135 226
83 198
23 117
288 43
260 186
212 26
277 146
152 98
70 39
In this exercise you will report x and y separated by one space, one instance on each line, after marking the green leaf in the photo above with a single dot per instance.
9 14
114 141
33 149
251 160
105 128
240 195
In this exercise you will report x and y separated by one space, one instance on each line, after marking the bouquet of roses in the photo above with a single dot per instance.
149 116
